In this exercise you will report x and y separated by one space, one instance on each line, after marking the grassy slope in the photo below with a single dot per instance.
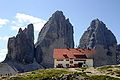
101 73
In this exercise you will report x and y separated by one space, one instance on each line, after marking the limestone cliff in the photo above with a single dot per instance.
56 33
21 47
118 53
21 50
97 33
99 37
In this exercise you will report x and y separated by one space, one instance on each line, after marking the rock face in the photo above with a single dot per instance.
105 56
21 50
118 54
25 56
21 47
100 38
97 33
56 33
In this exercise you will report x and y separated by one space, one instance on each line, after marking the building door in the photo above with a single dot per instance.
80 64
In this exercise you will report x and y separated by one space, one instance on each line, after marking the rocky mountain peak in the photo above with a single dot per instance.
20 30
57 17
100 38
56 33
58 14
19 53
97 24
97 33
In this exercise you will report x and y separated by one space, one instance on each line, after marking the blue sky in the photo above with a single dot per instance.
19 13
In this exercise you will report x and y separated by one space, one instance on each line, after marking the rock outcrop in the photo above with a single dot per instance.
97 33
118 53
21 50
105 56
56 33
21 47
99 37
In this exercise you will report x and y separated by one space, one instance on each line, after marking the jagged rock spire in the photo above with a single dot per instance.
21 47
56 33
100 38
97 33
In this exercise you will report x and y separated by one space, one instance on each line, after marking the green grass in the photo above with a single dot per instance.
102 77
82 74
117 72
55 74
117 67
105 67
39 75
84 68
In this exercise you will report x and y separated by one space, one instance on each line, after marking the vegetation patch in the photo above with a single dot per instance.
117 73
83 68
102 77
103 73
39 75
105 68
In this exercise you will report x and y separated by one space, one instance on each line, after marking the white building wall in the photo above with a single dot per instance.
64 62
88 62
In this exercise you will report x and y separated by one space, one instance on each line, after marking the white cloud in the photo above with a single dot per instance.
23 19
3 22
1 26
38 26
3 53
4 38
17 28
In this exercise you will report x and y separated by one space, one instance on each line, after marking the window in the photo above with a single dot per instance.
67 59
71 58
59 66
78 60
65 55
80 56
80 64
67 65
71 62
59 59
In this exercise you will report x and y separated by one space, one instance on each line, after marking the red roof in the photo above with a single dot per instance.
73 53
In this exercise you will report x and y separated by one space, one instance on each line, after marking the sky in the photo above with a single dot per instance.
19 13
